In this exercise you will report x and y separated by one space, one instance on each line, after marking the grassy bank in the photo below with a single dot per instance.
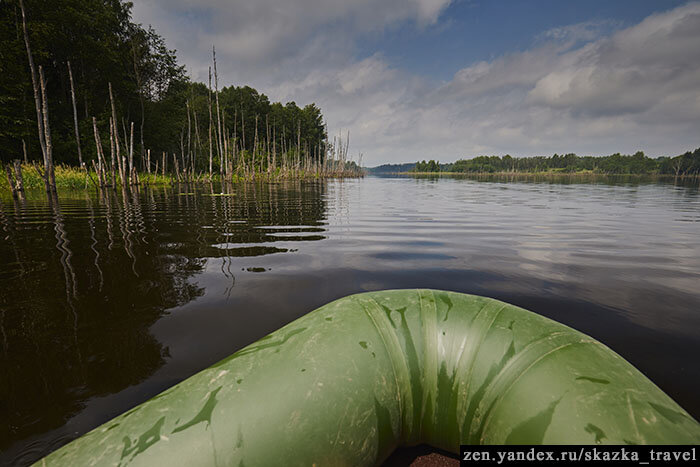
70 178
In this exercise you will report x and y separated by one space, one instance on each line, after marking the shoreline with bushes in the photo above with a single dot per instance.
684 165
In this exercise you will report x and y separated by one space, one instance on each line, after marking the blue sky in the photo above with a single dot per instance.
449 79
469 31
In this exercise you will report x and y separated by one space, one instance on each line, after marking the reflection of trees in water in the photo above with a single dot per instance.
93 242
82 281
690 183
76 324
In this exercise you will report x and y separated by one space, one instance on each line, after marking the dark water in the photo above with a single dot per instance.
106 302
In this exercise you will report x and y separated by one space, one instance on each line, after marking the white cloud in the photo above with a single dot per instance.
631 72
576 89
254 38
574 33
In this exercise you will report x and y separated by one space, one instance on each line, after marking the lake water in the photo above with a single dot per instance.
104 302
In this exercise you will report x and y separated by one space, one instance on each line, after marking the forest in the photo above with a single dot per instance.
687 164
80 79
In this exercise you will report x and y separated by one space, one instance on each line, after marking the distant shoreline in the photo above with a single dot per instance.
541 174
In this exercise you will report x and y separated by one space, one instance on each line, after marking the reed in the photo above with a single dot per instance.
294 158
70 178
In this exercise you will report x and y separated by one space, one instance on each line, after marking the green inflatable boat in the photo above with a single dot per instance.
352 381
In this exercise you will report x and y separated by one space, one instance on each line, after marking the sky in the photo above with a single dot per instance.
450 79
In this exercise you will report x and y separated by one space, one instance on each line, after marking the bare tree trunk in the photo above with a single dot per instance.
132 169
18 179
224 138
111 152
16 184
24 151
139 86
143 118
235 140
97 171
226 162
115 133
243 148
274 146
267 141
75 115
298 143
255 145
189 136
125 156
49 174
284 149
182 151
677 166
10 181
210 125
98 146
197 141
218 112
35 85
177 167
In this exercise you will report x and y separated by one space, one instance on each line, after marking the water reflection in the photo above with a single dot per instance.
106 300
76 312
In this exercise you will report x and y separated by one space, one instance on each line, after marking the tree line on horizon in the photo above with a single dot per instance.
83 75
687 164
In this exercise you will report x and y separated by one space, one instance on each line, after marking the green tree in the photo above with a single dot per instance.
151 89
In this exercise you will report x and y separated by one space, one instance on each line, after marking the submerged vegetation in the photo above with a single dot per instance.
687 164
82 85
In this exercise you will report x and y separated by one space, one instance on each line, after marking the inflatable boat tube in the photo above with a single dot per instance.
350 382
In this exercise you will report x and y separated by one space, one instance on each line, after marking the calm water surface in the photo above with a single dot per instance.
105 302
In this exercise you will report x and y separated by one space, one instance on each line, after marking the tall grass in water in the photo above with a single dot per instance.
70 178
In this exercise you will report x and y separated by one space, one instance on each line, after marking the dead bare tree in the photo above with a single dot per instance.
197 142
42 110
255 145
210 125
101 163
218 113
267 141
35 85
115 135
189 136
75 115
111 152
132 169
139 86
49 173
15 182
18 178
